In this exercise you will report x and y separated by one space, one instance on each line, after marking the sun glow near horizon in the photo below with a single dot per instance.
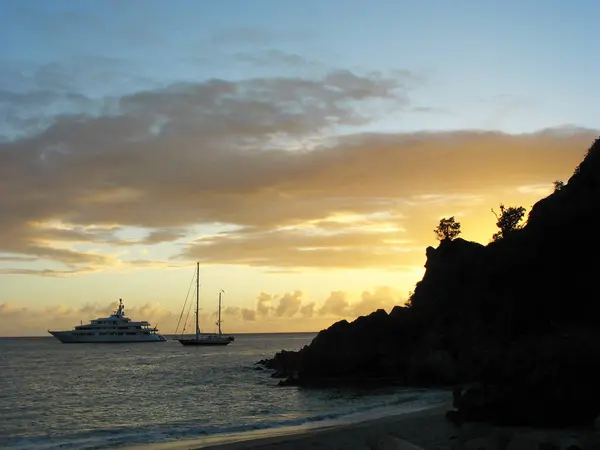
301 298
304 162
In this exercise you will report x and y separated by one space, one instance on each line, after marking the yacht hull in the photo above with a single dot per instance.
68 337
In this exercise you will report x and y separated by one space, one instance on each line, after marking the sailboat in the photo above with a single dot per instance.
206 338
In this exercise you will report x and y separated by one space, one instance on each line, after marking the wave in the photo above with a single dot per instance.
120 436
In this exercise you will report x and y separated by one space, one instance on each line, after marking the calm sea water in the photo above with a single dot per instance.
92 396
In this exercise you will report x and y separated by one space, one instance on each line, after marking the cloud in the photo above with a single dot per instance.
384 297
282 163
288 311
289 304
46 272
232 311
159 236
16 320
248 315
263 305
308 310
338 305
166 160
319 245
17 258
33 97
335 305
253 36
276 57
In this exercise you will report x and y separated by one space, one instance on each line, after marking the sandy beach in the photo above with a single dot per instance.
418 430
424 429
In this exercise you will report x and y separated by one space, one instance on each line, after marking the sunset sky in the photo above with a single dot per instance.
303 152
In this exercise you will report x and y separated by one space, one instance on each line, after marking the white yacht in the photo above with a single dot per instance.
113 329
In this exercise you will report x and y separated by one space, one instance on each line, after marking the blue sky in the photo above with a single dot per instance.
138 136
514 65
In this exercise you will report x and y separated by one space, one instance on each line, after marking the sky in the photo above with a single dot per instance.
302 152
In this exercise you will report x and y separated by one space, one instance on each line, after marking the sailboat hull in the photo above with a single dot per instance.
211 341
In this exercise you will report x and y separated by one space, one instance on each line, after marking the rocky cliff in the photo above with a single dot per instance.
519 316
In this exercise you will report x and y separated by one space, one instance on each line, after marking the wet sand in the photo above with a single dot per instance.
426 429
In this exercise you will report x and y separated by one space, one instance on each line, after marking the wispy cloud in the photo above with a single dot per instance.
276 57
253 36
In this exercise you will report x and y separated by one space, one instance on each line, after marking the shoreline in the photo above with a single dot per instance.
413 430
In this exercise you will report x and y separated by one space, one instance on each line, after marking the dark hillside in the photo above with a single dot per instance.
520 316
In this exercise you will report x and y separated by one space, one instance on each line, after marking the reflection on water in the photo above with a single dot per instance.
94 395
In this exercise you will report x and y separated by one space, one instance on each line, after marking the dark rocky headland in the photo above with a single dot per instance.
512 326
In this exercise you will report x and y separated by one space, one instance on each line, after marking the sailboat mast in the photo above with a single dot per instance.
197 296
219 322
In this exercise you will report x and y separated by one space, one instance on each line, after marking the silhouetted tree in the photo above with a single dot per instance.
508 220
409 301
558 185
448 229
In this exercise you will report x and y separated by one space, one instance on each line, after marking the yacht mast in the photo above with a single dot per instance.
197 297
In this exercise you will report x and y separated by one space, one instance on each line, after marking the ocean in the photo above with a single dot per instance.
96 396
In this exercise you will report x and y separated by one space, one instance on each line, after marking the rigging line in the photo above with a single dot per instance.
184 303
188 314
183 309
